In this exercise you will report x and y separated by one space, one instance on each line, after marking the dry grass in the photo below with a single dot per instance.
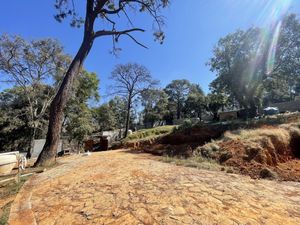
149 133
279 133
270 144
280 136
196 162
276 138
208 150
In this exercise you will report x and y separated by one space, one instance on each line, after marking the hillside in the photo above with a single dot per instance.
266 148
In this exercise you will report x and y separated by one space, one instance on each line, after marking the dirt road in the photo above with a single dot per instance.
118 187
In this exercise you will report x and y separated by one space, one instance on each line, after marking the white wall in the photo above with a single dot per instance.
38 147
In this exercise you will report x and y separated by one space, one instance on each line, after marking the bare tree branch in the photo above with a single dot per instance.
117 33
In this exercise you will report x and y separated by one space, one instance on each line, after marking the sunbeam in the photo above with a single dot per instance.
272 48
272 11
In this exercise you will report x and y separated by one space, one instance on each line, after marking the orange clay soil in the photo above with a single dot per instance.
245 161
120 187
286 166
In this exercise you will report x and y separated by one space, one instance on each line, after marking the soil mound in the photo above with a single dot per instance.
254 151
258 149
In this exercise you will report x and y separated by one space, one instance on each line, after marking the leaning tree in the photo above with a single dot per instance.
114 12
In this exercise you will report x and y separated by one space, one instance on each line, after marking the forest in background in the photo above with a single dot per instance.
253 68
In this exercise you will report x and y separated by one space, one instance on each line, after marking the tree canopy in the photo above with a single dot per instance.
130 80
259 63
178 91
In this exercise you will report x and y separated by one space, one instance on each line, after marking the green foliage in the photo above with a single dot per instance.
26 63
36 69
87 87
208 150
4 214
215 102
79 123
155 104
258 65
33 67
147 133
178 91
195 104
111 115
282 82
78 115
237 62
15 121
187 123
130 80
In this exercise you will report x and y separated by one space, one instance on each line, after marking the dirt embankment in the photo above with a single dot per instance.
268 152
261 151
181 142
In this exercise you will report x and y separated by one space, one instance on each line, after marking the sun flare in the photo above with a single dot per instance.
272 11
270 19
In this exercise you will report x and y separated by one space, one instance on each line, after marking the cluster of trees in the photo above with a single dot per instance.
254 67
252 71
141 102
113 14
257 66
34 70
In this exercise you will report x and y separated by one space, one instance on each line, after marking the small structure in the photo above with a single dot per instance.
113 135
271 111
104 143
89 145
9 160
103 140
229 115
38 147
193 120
7 163
292 106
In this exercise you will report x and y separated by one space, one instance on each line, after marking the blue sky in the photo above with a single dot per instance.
192 28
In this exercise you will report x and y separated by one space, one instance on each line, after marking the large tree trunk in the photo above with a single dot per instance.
178 110
200 115
47 156
127 116
30 150
215 116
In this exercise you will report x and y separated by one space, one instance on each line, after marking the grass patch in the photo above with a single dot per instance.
195 162
4 213
148 133
11 188
8 190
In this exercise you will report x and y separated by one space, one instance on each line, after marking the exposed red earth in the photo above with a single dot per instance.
124 187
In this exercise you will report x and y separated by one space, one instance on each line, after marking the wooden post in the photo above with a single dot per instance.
18 177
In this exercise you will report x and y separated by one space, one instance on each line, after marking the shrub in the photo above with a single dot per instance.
266 173
225 156
208 150
187 123
147 133
195 162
